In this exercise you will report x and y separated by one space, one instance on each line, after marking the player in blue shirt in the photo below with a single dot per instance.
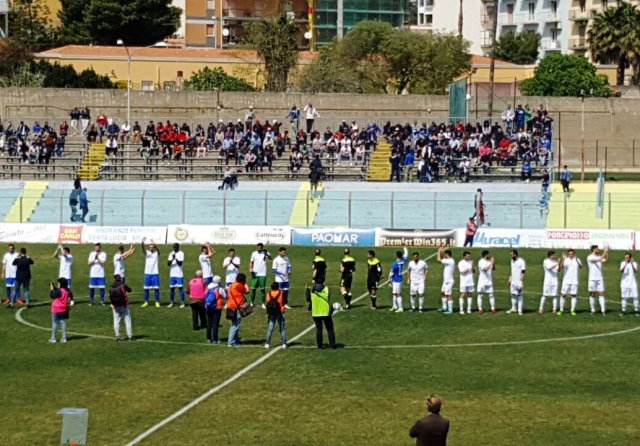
395 279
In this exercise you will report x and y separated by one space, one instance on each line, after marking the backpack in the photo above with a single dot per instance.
273 306
118 296
211 299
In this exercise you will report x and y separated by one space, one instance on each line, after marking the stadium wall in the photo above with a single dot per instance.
286 235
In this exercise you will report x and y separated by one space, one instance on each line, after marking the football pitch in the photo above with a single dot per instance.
504 379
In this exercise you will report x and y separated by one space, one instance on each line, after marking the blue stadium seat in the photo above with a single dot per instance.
119 207
333 209
53 207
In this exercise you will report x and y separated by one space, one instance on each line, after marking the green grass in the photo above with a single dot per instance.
572 392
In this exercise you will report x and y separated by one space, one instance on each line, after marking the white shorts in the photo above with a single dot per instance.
515 289
467 289
629 293
596 286
396 287
447 288
417 289
550 290
571 290
485 288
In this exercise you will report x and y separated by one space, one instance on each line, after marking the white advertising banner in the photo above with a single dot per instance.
229 235
124 234
29 233
584 238
503 238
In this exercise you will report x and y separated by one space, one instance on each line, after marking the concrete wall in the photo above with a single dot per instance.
608 122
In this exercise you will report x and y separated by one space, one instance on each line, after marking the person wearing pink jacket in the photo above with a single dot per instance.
197 289
60 297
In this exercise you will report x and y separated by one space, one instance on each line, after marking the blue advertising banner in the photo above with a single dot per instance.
333 237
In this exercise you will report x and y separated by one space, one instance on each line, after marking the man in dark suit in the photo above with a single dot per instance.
432 430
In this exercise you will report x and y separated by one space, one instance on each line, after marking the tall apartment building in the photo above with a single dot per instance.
219 23
442 16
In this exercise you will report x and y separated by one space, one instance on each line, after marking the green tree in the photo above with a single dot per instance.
30 24
104 22
275 41
327 75
22 77
208 79
521 49
565 75
614 36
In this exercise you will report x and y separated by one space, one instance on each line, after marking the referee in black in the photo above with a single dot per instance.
347 268
319 268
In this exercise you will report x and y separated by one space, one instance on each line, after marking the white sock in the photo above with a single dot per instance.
479 302
450 305
492 301
394 301
514 303
562 300
399 302
462 304
555 304
421 302
592 303
542 301
413 302
469 304
444 303
574 303
624 304
635 304
602 302
520 304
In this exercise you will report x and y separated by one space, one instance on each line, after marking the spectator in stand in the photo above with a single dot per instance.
84 204
294 118
545 181
125 132
75 116
519 117
526 171
102 123
111 146
85 117
507 117
310 115
64 128
395 162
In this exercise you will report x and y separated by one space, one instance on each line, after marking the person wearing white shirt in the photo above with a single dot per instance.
570 278
151 272
9 272
231 264
466 270
516 283
418 272
448 266
551 266
96 262
258 268
281 267
118 261
486 266
596 280
310 115
63 255
629 284
205 262
126 131
176 275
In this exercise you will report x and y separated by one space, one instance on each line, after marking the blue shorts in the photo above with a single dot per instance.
151 281
96 282
10 282
176 282
208 280
283 285
69 283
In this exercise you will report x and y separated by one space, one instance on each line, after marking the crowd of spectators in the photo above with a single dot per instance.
34 145
454 150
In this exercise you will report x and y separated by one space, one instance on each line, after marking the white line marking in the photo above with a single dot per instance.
231 380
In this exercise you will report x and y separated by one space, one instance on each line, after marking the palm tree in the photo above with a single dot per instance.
614 36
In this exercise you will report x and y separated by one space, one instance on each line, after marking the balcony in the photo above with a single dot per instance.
486 42
550 45
515 19
582 16
258 14
579 43
548 17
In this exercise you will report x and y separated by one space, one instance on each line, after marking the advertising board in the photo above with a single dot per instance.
416 237
229 235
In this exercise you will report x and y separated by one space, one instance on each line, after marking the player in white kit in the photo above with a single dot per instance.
551 266
596 280
151 272
466 270
231 264
176 275
118 261
629 284
448 267
9 272
570 279
96 262
516 283
63 254
205 262
418 273
486 266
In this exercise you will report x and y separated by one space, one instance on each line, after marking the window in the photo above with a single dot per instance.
211 30
421 19
211 4
605 4
554 35
532 8
509 13
429 19
421 3
554 7
147 85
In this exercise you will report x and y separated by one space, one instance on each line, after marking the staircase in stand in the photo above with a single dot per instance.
93 159
379 167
